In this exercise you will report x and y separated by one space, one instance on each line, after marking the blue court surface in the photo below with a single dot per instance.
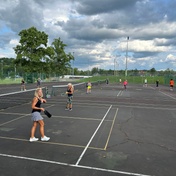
110 132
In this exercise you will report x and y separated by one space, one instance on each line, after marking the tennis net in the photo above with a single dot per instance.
61 89
17 98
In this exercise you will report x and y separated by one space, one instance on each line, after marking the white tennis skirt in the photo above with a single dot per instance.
36 116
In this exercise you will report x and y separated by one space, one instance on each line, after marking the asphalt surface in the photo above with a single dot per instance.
111 131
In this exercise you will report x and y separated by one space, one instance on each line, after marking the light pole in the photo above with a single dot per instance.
73 64
115 62
126 57
15 71
114 66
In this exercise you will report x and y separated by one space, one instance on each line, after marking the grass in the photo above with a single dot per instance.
130 79
10 81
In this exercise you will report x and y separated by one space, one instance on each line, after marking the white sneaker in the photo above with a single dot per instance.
33 139
45 138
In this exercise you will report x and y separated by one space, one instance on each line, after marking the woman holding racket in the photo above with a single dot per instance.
69 92
36 115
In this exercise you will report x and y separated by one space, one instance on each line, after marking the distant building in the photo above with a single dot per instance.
74 76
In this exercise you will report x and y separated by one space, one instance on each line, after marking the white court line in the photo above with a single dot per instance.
72 165
14 120
119 93
168 95
92 137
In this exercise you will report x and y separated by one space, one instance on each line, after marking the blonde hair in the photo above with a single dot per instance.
71 85
36 92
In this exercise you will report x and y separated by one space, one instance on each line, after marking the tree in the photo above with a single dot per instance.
60 60
94 70
7 67
33 53
136 72
169 71
152 71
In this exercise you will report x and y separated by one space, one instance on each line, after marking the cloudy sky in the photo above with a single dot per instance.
96 31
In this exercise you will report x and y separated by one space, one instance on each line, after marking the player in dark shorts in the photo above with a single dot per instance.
23 87
38 82
69 92
171 84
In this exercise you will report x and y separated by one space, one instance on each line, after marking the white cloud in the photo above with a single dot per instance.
97 34
147 46
170 57
14 42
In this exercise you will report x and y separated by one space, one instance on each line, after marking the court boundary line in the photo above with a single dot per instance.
120 104
99 105
72 165
135 105
82 154
81 118
119 93
12 113
13 120
110 132
167 95
58 116
52 143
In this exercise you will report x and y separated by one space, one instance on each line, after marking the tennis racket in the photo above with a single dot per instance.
47 114
63 94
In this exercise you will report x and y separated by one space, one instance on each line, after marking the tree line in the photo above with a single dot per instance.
9 68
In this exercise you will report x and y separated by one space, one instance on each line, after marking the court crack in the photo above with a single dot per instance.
155 144
138 141
142 142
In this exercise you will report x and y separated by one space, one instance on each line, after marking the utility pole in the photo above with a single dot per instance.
15 71
114 66
126 57
73 64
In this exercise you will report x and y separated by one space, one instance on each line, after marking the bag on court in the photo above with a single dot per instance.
47 114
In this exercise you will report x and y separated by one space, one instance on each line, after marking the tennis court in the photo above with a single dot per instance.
111 132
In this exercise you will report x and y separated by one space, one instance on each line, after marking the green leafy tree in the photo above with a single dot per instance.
94 70
7 67
152 71
76 71
168 71
32 52
60 60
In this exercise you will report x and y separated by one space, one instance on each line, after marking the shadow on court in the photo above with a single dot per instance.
111 132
